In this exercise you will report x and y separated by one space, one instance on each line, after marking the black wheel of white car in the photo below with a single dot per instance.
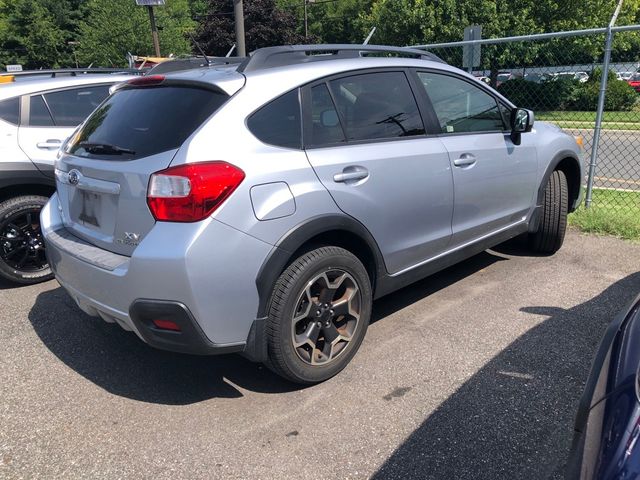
553 219
319 313
22 253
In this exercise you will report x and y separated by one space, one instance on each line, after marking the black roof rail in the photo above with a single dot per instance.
71 72
292 54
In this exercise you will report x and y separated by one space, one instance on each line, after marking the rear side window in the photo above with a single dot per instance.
39 115
278 122
138 122
377 106
460 106
10 110
70 107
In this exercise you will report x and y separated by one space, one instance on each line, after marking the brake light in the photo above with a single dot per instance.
147 81
192 192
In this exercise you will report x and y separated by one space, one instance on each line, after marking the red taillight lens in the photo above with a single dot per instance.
147 81
167 325
192 192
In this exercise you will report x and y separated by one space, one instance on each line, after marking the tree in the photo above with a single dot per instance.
114 27
410 22
340 21
265 25
38 33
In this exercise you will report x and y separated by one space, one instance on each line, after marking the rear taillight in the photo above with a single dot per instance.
192 192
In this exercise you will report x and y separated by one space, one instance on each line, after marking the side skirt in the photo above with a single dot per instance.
390 283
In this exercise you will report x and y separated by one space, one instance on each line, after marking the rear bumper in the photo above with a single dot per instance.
202 275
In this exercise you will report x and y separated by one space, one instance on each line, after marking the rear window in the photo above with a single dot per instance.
139 122
10 110
278 122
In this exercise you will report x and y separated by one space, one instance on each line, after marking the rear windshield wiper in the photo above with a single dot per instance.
105 148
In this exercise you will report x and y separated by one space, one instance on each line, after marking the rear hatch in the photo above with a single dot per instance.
103 172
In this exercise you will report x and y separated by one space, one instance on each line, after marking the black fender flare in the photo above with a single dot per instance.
280 256
296 237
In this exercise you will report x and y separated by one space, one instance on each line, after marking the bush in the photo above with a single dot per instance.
620 96
569 94
550 95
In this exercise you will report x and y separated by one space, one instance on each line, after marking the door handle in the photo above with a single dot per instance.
465 160
51 143
351 174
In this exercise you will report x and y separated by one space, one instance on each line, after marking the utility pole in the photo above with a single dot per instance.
306 22
154 30
238 12
306 17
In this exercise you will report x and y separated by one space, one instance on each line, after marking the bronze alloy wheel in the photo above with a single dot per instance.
326 317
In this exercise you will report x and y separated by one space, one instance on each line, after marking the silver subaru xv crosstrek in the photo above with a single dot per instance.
260 206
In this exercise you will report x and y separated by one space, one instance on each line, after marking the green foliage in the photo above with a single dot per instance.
49 33
613 212
549 95
265 24
114 27
38 33
619 95
568 94
342 21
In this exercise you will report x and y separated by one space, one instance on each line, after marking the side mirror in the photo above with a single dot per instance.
329 118
521 122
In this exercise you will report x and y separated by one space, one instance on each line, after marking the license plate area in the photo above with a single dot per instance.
94 211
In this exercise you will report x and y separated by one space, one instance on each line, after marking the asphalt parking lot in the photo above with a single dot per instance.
472 373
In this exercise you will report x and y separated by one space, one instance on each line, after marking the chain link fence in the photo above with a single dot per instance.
558 76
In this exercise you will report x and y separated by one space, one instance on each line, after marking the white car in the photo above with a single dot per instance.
582 77
36 116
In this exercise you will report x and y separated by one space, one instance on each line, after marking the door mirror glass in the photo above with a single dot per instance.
329 118
521 120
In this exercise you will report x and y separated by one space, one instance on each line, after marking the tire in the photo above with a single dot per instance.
22 255
553 220
319 312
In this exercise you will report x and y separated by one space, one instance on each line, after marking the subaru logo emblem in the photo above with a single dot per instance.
74 177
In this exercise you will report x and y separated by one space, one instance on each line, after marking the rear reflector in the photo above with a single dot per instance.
191 192
167 325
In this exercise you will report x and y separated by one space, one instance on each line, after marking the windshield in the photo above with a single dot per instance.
139 122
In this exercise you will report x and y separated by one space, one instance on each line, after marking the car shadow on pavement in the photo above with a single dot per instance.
123 365
430 285
514 417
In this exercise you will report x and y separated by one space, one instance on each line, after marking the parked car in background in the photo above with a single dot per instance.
504 77
606 444
36 116
634 81
626 75
536 77
581 77
260 207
